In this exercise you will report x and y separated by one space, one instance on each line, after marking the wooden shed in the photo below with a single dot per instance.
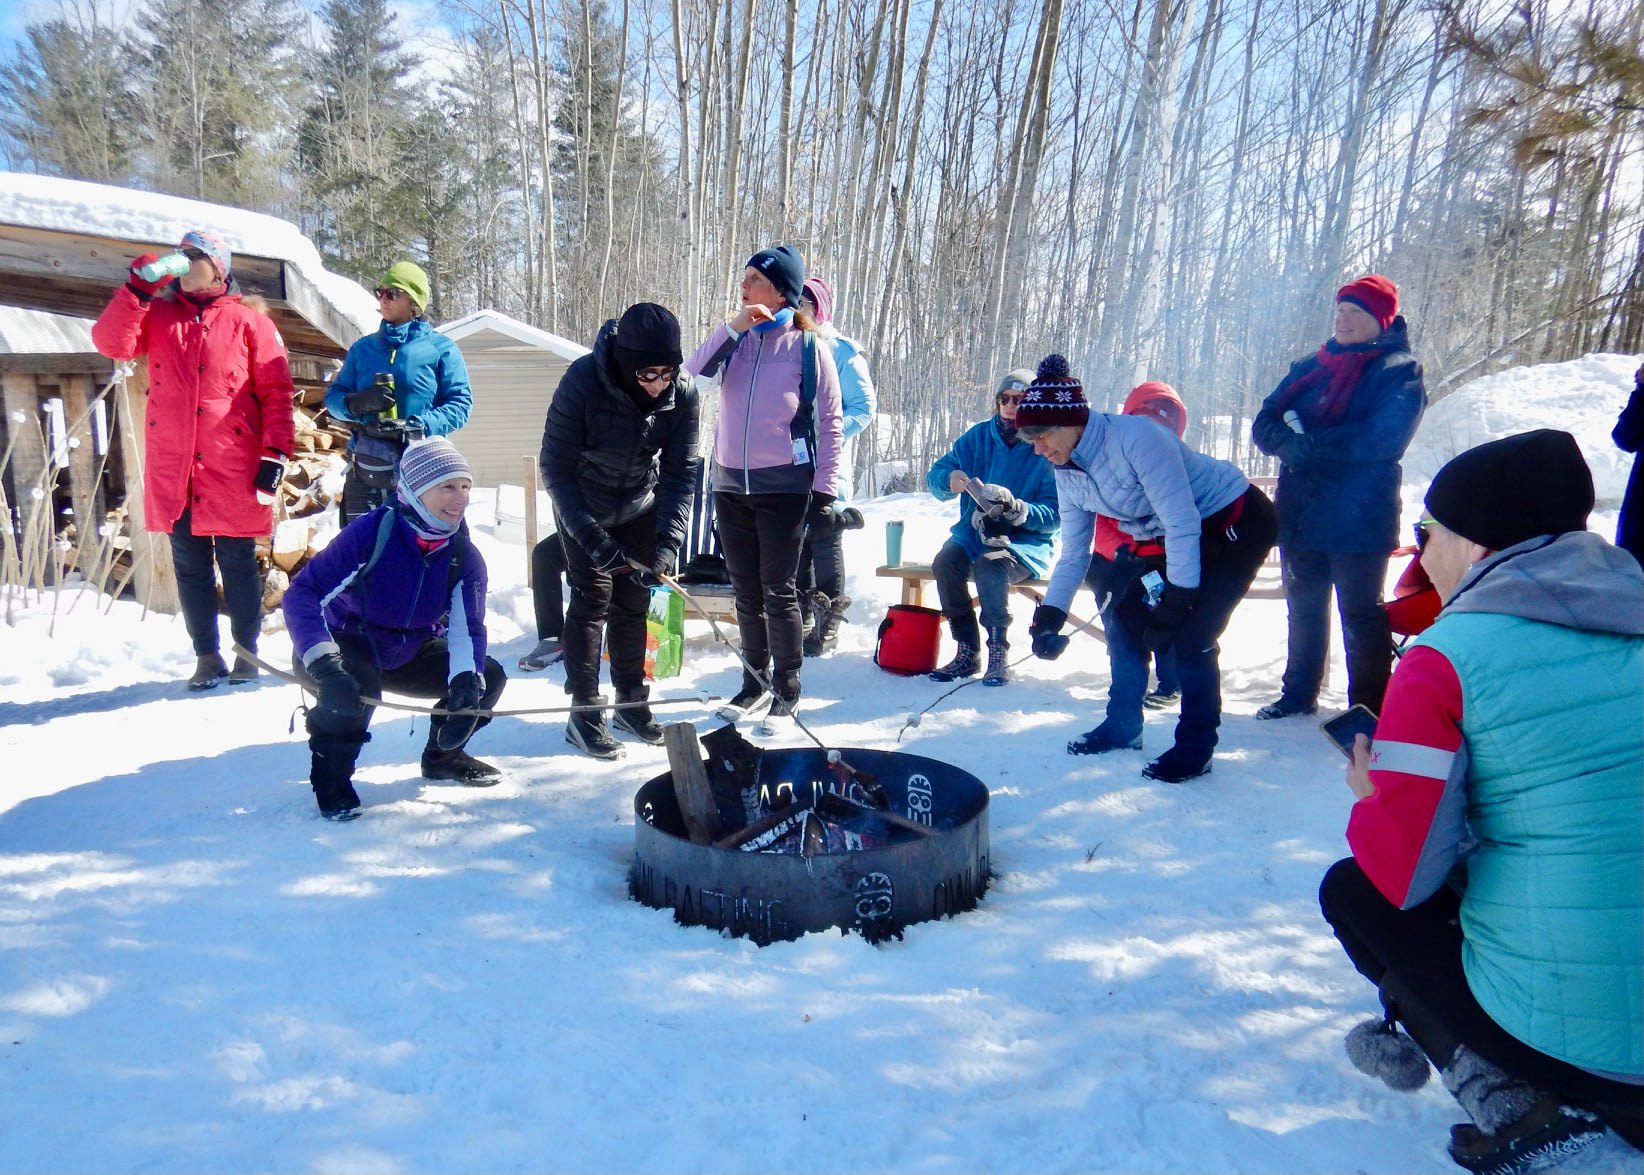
64 248
513 369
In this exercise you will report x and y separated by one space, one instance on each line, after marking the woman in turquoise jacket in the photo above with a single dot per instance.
1495 894
404 382
997 547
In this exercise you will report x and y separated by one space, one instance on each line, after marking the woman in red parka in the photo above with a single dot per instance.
217 430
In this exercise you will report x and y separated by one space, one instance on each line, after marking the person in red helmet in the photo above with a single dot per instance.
1116 558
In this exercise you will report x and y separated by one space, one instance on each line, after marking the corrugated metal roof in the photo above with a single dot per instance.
35 332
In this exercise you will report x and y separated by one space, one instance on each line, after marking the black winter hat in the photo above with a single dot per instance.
784 268
648 336
1503 492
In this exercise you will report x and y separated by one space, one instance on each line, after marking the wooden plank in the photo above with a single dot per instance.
691 789
93 364
529 481
150 553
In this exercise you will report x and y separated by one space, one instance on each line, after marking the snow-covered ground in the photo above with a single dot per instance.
199 973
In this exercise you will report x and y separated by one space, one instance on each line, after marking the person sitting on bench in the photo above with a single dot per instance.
1005 544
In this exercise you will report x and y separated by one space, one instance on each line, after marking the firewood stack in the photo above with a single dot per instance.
307 502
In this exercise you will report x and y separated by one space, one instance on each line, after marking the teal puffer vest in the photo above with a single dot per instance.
1553 910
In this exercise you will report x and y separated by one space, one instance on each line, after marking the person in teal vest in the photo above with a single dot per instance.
1495 894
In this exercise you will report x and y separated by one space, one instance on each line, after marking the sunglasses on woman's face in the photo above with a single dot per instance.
1423 532
192 253
1009 397
655 375
387 295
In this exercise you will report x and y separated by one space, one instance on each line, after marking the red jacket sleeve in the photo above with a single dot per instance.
120 330
271 382
1408 834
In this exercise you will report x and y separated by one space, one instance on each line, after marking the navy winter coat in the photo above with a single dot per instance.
1339 483
1629 436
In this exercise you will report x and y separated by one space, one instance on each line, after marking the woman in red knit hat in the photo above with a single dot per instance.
1339 423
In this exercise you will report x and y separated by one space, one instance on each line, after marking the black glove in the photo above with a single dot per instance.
821 511
1172 611
1046 631
337 692
606 556
368 402
850 518
464 693
664 561
270 472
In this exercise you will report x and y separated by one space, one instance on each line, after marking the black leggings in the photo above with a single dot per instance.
761 534
1414 957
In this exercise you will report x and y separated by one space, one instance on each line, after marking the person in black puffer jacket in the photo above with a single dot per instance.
1629 437
1339 423
619 460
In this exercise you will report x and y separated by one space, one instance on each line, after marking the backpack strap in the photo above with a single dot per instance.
803 424
385 531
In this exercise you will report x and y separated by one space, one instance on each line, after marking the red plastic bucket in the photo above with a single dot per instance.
909 638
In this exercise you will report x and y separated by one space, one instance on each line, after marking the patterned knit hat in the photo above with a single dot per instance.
428 463
1055 399
212 246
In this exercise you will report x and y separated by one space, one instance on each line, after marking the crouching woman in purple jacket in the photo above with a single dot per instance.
397 601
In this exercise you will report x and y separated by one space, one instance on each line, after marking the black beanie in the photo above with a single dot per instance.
1503 492
784 268
648 336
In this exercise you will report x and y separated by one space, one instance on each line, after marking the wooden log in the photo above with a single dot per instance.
845 807
766 823
696 798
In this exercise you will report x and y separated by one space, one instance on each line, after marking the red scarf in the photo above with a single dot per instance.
1343 370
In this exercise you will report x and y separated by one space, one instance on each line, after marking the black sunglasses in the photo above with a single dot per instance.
1423 532
651 375
388 294
192 253
1010 398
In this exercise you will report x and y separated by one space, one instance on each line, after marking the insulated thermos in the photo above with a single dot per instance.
893 543
171 265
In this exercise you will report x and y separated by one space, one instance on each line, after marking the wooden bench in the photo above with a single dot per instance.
915 576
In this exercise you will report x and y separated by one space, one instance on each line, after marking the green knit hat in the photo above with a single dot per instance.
410 277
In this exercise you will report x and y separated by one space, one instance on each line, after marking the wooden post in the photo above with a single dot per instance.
84 490
150 553
530 481
691 788
27 464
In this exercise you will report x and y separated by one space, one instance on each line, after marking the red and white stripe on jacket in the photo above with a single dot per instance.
1412 830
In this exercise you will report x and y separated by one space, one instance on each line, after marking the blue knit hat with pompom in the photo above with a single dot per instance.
1055 398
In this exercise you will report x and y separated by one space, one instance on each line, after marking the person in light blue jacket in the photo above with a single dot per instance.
822 597
1216 529
404 382
1004 544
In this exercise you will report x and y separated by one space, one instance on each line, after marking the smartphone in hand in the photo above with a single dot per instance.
1360 719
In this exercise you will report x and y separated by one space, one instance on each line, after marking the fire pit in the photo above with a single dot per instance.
772 844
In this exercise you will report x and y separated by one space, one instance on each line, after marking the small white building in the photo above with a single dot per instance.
513 370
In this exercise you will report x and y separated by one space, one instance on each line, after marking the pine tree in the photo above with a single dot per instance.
218 82
356 143
64 106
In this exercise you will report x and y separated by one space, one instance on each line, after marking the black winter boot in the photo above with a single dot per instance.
331 771
824 634
458 765
785 683
998 665
637 720
747 699
588 733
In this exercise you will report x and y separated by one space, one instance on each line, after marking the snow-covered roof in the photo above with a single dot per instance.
494 320
101 226
36 332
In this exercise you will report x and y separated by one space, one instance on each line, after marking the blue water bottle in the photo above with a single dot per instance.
893 543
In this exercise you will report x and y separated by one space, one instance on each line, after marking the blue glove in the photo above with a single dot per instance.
1046 631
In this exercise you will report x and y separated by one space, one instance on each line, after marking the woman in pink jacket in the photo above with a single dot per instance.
776 452
217 430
